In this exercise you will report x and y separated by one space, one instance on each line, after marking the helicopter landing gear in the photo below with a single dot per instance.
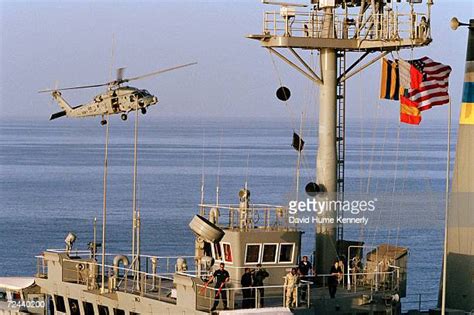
143 110
103 122
123 117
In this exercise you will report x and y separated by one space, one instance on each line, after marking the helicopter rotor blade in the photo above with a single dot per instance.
119 79
158 72
74 88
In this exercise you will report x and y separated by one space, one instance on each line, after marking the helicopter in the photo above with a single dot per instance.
117 99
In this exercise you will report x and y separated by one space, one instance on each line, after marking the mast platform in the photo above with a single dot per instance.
386 31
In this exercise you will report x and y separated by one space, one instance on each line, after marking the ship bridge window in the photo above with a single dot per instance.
269 253
217 251
252 253
227 252
207 249
88 308
118 311
286 252
50 304
103 310
59 301
74 307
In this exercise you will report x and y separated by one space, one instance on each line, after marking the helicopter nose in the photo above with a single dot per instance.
154 100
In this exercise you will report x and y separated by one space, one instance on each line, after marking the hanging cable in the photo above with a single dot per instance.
280 82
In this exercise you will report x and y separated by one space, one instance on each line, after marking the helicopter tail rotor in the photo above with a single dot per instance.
120 72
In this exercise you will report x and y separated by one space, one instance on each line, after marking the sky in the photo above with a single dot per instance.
70 43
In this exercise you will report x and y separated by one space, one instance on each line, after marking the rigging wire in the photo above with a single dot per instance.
202 172
280 82
219 168
370 166
402 188
380 212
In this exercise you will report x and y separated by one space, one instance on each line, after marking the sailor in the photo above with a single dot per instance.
356 268
291 285
304 267
258 277
423 28
222 277
246 282
334 278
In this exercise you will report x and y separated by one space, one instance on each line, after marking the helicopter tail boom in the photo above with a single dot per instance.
61 102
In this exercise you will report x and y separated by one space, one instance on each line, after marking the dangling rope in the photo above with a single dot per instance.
280 82
371 162
370 166
380 212
402 189
309 173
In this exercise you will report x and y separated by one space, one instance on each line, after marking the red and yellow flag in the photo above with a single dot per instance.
409 112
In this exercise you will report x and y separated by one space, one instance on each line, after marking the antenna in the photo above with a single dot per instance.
94 228
247 172
112 58
104 206
202 173
135 211
219 169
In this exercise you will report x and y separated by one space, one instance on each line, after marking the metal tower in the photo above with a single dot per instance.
336 28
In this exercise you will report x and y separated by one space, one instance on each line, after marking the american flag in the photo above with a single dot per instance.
425 82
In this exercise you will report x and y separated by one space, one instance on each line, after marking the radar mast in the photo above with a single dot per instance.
335 28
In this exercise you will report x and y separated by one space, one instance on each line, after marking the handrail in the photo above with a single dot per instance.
419 302
255 216
202 290
110 254
389 25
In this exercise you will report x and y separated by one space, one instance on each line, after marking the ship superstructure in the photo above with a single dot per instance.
245 234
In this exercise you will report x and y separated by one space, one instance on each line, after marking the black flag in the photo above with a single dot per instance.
298 143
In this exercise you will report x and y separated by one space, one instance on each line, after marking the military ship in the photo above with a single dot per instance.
244 235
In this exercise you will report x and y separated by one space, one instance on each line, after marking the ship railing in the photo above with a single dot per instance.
257 297
255 216
276 295
203 273
421 302
387 26
123 279
376 281
148 263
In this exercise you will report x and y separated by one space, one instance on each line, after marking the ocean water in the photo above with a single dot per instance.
51 183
